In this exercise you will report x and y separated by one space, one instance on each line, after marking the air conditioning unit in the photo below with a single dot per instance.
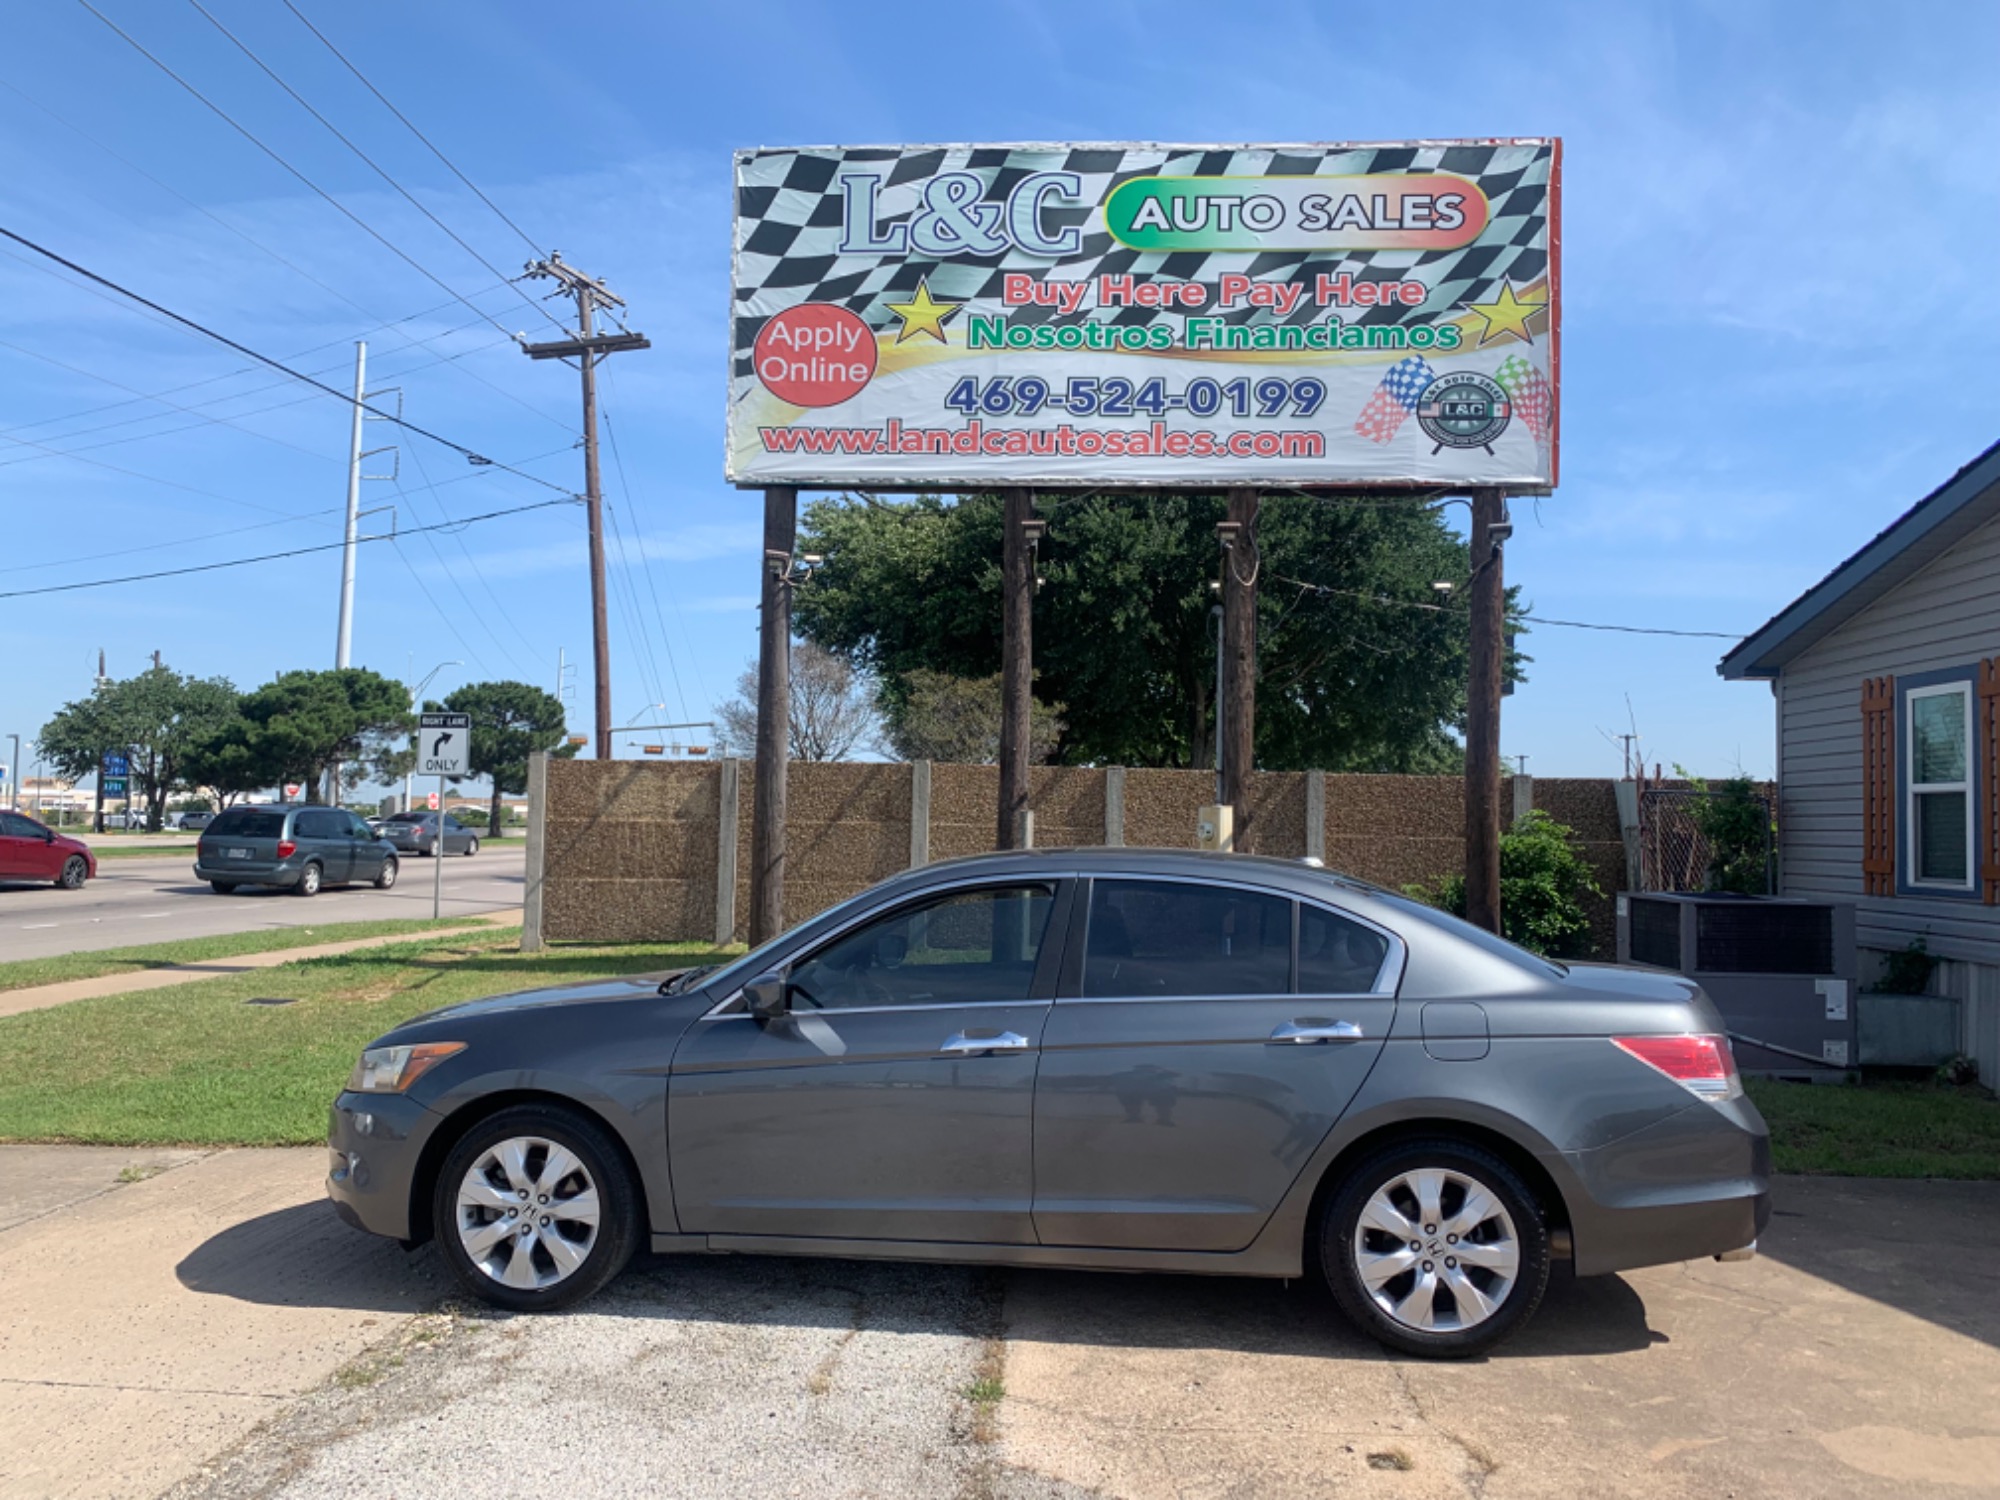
1780 970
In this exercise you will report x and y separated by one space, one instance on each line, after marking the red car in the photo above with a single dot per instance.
30 851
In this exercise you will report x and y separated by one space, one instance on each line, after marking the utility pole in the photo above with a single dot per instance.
1237 707
1020 539
774 716
1488 600
345 641
587 348
1626 741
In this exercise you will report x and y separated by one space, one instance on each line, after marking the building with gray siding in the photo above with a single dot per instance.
1887 680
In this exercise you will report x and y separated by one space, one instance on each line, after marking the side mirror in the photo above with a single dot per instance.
765 996
48 835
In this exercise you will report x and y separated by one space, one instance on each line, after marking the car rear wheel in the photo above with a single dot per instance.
471 847
388 876
223 887
535 1209
74 873
1436 1248
309 879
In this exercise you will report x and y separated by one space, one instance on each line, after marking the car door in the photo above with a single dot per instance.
895 1101
322 831
367 852
1197 1054
23 849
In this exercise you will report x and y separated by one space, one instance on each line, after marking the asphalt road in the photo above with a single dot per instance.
144 900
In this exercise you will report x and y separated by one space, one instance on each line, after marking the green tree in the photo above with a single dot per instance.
1545 889
156 718
300 724
940 717
510 722
1123 633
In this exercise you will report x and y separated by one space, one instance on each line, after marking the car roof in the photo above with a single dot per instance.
1261 869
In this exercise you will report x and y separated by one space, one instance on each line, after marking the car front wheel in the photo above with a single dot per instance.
387 877
535 1209
471 847
1436 1248
74 872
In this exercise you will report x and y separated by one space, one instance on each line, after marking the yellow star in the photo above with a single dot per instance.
923 315
1507 315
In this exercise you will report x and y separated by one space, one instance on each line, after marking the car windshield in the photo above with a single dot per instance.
249 823
1499 947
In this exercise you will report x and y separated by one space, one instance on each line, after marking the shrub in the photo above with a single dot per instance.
1731 815
1545 889
1907 971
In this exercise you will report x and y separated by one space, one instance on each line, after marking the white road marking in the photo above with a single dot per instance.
37 926
147 916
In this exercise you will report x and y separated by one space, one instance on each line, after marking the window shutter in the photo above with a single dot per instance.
1986 748
1878 786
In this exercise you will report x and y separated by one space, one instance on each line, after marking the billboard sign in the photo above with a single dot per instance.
1147 315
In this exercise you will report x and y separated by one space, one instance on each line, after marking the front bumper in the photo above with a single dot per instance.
374 1143
1692 1186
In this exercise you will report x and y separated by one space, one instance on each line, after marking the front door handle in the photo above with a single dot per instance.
1307 1030
961 1045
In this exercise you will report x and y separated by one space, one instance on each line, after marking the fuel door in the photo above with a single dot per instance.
1455 1031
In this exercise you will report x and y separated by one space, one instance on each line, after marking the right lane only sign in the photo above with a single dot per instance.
444 744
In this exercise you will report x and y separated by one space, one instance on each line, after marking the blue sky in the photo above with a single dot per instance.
1779 232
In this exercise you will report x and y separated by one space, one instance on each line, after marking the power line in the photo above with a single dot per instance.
230 120
239 562
373 166
1445 609
345 398
477 573
646 562
525 237
292 266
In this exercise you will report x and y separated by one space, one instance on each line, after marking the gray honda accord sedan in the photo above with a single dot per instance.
1124 1059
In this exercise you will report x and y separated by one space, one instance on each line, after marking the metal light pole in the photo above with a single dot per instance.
14 776
341 649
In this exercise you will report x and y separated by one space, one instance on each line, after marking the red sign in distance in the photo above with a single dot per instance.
292 790
815 354
432 799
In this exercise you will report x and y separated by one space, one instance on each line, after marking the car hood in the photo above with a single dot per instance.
630 987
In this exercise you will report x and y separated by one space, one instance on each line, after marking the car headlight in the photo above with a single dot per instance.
391 1070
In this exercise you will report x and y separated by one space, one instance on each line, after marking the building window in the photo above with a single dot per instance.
1938 806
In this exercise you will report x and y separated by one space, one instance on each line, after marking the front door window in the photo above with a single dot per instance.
969 948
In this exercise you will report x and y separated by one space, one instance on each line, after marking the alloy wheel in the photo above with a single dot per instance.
528 1212
1436 1250
73 873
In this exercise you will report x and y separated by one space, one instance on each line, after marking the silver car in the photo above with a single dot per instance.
1119 1059
417 833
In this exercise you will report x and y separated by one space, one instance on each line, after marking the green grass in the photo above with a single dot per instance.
140 851
195 1065
21 973
1881 1129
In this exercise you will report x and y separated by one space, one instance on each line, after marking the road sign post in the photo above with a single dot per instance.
444 748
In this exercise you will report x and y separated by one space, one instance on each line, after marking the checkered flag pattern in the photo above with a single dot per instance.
789 229
1394 399
1533 398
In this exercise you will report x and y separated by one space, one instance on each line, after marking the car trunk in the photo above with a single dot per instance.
243 839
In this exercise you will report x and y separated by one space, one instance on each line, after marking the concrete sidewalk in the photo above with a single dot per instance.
42 996
146 1325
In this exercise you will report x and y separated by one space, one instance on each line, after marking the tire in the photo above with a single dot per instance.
471 847
74 873
387 877
476 1192
223 887
1471 1304
309 879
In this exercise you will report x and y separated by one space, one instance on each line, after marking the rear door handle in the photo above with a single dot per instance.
961 1045
1308 1030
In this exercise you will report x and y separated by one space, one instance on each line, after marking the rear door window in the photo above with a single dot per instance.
1337 956
322 823
249 823
1179 939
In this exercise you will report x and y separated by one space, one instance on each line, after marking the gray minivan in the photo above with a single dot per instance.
299 848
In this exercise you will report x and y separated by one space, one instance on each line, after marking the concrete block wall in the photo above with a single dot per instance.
633 849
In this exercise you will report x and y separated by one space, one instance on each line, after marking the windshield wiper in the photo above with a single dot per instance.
678 983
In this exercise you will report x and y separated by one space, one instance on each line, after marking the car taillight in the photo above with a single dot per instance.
1701 1064
286 848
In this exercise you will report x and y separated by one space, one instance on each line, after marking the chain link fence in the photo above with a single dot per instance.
1674 853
